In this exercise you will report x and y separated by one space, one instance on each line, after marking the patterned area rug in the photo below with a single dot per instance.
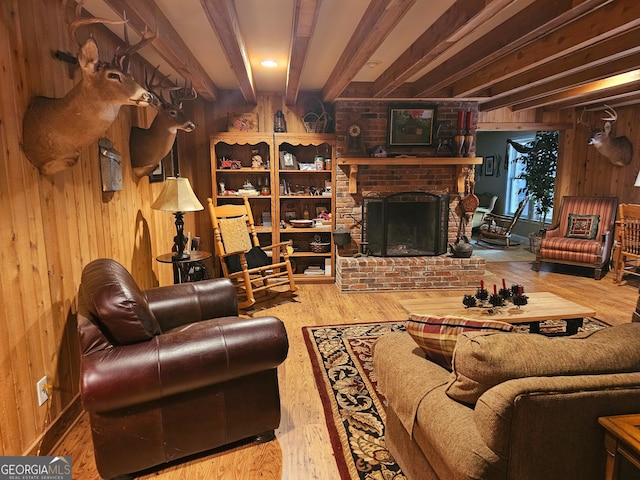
353 406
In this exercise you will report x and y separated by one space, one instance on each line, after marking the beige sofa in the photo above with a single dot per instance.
524 406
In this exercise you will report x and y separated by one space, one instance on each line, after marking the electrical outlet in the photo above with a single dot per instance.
41 388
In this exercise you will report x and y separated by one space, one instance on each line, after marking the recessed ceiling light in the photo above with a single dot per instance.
269 63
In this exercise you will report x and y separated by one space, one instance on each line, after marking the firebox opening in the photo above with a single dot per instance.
406 224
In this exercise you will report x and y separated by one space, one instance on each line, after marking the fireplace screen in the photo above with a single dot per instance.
406 224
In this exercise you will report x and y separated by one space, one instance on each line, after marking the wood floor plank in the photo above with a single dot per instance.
302 449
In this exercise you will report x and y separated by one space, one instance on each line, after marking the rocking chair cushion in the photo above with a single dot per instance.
256 257
583 226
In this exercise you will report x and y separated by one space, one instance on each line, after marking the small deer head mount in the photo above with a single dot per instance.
149 146
55 130
618 150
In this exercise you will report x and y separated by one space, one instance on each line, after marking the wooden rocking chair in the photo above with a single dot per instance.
627 253
499 227
242 259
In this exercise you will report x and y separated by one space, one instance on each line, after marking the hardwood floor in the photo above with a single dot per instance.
302 449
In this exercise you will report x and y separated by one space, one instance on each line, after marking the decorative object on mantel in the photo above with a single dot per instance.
410 124
464 139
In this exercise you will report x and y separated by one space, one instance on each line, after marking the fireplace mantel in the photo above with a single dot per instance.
462 164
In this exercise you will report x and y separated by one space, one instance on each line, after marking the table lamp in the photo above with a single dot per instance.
177 196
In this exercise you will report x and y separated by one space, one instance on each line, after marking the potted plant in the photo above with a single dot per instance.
540 157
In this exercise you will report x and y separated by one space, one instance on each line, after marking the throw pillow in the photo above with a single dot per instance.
484 360
437 335
582 226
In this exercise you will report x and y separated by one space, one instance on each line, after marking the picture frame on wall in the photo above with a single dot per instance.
158 174
410 124
168 166
489 165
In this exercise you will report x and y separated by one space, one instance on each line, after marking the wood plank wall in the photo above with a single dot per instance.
51 227
581 169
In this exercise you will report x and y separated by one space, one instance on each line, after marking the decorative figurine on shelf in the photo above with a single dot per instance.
256 160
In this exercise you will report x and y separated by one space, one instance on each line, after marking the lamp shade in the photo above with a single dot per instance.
177 196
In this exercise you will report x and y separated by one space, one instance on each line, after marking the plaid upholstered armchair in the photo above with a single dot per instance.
583 235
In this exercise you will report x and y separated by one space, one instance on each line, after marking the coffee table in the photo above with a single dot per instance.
542 306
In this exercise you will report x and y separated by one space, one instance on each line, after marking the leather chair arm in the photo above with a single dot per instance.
175 305
194 356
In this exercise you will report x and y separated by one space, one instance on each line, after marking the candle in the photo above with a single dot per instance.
495 290
519 289
482 284
460 120
504 285
469 120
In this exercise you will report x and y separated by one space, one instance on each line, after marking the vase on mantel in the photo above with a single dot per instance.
459 141
469 146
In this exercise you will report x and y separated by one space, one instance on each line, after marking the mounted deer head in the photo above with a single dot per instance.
149 146
618 150
55 130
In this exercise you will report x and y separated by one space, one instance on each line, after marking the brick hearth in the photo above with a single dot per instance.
361 274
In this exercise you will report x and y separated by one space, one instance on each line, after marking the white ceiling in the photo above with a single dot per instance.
266 29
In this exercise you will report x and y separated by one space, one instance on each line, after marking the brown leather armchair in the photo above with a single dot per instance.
172 371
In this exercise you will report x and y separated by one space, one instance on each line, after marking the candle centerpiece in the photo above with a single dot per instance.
499 298
482 294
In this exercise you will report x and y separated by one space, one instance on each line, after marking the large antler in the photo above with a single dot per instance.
122 56
613 116
183 94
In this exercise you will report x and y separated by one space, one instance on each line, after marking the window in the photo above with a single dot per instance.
542 170
515 184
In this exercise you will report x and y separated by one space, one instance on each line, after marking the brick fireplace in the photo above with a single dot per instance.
390 176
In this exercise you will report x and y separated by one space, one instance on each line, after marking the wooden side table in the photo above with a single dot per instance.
181 267
621 438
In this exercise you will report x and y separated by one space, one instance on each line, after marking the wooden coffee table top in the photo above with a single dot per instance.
542 306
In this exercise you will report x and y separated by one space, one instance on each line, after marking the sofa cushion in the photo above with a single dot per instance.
482 360
437 335
117 305
582 226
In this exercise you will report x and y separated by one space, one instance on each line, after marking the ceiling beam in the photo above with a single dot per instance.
535 20
597 25
460 19
556 85
598 98
608 50
167 43
223 18
597 91
375 25
305 15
